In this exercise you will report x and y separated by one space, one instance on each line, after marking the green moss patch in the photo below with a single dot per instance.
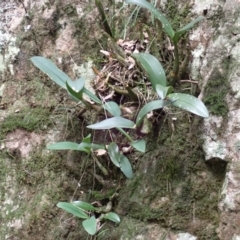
173 185
36 119
178 17
215 93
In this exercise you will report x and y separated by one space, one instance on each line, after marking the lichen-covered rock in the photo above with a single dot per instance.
221 130
174 193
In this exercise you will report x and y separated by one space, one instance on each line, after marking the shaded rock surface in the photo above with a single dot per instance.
186 187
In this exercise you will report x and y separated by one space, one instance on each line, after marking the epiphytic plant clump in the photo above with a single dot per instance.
77 91
112 111
83 210
175 36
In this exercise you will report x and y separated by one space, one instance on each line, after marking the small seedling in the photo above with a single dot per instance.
84 210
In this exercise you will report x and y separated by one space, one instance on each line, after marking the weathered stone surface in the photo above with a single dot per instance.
221 133
174 194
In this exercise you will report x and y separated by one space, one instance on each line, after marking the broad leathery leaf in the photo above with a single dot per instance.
48 67
119 160
84 205
67 146
91 96
162 91
91 146
112 108
113 152
183 30
157 104
153 68
112 217
90 225
189 103
113 122
140 145
125 166
75 87
71 208
58 76
165 24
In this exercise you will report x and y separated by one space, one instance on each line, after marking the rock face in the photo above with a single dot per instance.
186 187
218 61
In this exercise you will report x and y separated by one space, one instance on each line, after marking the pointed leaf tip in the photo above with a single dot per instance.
189 103
157 14
48 67
112 108
113 217
90 225
114 122
71 208
139 145
153 68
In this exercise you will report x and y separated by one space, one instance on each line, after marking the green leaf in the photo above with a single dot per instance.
86 144
91 96
125 166
112 217
113 152
189 103
113 123
90 225
75 87
157 104
84 205
183 30
120 160
140 145
87 139
91 146
104 22
74 210
67 146
48 67
112 108
58 76
162 91
153 68
165 24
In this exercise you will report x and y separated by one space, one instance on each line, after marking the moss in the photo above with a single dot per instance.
36 119
143 213
172 167
100 195
215 93
177 17
70 10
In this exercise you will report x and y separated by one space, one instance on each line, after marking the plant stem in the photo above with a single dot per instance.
125 134
102 168
128 92
175 65
103 16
